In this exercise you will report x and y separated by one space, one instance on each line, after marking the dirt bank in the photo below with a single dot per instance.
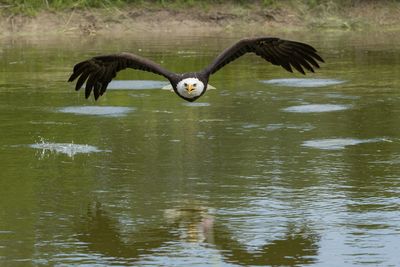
211 18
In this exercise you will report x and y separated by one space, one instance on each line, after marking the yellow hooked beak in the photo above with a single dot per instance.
190 88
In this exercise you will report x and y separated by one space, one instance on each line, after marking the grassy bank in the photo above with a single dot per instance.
34 6
103 16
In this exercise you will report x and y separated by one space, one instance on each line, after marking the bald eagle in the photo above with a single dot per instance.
100 70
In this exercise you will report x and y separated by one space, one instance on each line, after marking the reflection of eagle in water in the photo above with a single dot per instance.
99 71
100 233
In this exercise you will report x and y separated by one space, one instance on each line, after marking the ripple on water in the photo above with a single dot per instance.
304 82
341 96
136 84
338 143
188 53
316 108
281 126
250 126
69 149
196 104
109 111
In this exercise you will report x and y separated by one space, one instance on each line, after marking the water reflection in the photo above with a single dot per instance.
136 84
339 143
316 108
305 82
298 246
286 188
196 104
108 111
102 235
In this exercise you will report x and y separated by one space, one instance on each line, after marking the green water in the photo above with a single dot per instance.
257 172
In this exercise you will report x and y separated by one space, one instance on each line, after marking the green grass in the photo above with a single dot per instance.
32 6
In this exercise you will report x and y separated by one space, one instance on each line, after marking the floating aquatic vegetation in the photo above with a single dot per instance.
109 111
316 108
310 82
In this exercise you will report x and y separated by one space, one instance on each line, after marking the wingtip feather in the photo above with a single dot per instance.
71 78
87 93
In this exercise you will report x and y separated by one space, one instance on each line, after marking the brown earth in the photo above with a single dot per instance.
249 19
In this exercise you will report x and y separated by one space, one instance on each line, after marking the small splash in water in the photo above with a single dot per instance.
293 82
338 143
136 84
109 111
316 108
196 104
69 149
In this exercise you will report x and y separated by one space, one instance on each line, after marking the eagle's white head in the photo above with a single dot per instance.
190 87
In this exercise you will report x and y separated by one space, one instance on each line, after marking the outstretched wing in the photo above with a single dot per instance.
99 71
280 52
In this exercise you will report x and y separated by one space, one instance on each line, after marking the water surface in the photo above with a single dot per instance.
310 108
303 82
109 111
141 177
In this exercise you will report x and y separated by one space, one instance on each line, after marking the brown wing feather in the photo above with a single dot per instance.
99 71
277 51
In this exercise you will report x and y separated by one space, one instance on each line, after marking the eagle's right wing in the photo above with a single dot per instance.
99 71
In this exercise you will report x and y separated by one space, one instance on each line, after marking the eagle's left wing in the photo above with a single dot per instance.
277 51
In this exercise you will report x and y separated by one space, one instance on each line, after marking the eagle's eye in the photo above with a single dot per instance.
185 84
195 84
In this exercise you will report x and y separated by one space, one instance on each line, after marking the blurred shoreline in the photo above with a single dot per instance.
249 19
